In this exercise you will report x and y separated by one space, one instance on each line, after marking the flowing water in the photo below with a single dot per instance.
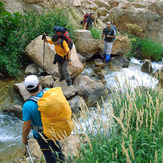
11 126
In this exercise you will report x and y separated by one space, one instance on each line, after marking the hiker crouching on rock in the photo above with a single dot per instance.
110 34
31 115
90 20
62 57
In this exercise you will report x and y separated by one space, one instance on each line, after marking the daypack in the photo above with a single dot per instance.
63 34
114 29
86 16
55 113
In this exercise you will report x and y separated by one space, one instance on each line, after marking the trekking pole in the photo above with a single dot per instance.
29 152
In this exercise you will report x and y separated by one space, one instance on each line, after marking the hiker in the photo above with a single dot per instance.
89 21
31 115
62 57
110 35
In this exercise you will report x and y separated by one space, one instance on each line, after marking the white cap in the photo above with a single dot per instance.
31 82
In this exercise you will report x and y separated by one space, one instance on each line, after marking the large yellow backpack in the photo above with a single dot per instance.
55 114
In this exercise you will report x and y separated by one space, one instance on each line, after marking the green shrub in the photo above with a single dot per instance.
145 49
16 32
131 130
95 33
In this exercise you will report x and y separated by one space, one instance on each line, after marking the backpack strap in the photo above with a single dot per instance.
35 98
62 43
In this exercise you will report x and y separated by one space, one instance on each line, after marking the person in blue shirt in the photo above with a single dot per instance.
32 116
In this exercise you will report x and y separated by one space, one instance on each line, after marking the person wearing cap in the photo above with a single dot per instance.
90 20
62 57
31 116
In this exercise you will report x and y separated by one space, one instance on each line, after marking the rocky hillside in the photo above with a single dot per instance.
146 16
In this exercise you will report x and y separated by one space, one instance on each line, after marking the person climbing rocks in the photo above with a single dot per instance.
62 57
89 21
110 34
31 115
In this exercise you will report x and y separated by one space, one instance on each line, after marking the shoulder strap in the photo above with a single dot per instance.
35 98
62 43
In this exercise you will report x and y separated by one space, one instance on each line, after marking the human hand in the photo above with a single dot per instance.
103 41
108 36
25 140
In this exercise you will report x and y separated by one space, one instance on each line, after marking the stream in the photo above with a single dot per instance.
11 126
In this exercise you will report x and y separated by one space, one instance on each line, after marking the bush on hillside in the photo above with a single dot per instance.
145 49
16 32
95 33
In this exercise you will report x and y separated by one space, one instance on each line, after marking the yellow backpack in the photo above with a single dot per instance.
55 114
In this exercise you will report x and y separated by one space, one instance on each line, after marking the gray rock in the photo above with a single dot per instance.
22 90
89 89
31 69
81 59
15 109
147 66
68 91
28 159
75 104
102 11
47 81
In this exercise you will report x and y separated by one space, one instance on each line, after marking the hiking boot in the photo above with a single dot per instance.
61 78
69 82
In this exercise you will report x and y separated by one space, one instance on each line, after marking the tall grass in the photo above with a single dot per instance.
16 32
131 130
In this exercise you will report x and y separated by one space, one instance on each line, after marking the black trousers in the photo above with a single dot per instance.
50 156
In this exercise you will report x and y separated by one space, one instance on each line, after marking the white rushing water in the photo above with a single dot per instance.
131 77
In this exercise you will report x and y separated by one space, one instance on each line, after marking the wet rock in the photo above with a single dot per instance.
47 81
120 61
32 69
147 66
121 45
99 63
15 109
89 89
100 76
75 104
22 90
35 52
97 69
113 67
68 91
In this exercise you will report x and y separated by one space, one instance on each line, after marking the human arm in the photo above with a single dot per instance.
111 36
102 37
26 130
69 58
94 23
85 25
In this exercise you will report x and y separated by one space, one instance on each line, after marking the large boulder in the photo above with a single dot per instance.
47 81
22 90
68 91
89 89
113 3
77 3
81 59
121 45
35 52
149 21
86 45
156 7
147 66
15 109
